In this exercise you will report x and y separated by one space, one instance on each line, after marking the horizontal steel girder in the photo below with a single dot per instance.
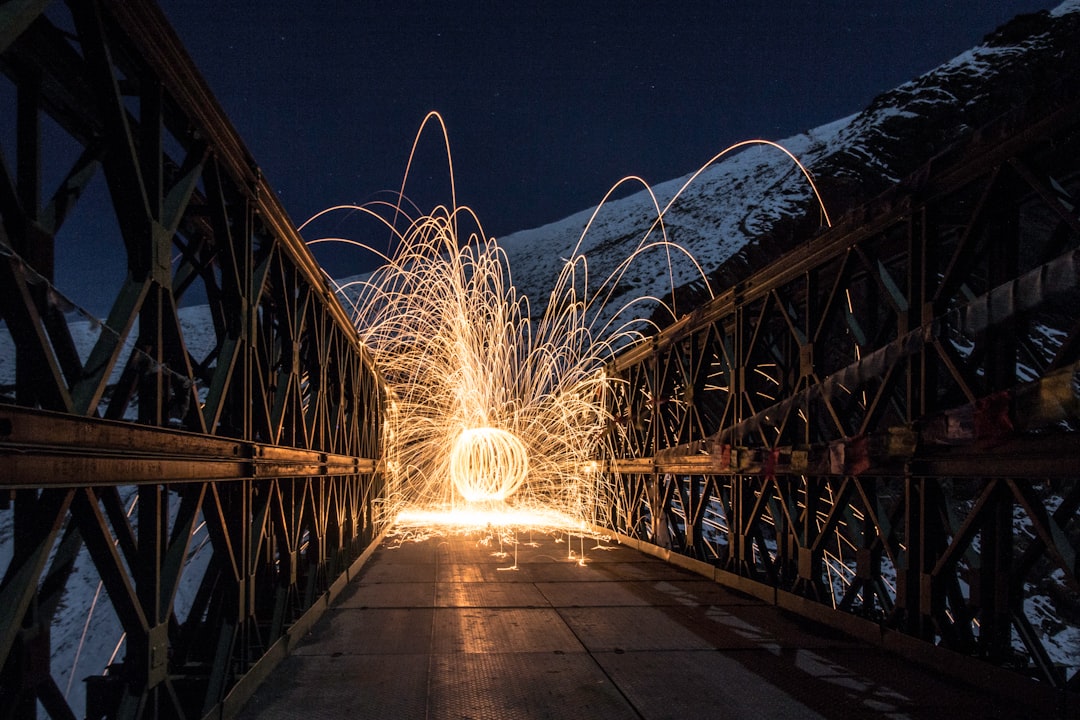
44 449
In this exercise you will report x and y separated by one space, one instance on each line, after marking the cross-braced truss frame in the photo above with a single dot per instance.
218 485
884 422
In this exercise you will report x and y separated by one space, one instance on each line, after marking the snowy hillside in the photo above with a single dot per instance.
745 209
731 202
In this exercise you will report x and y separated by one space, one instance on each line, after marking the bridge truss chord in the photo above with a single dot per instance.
884 421
222 484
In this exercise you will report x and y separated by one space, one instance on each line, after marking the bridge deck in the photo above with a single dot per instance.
440 628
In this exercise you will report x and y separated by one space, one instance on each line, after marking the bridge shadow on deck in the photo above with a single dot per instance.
441 628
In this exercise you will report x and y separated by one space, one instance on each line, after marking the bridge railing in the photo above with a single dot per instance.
880 429
188 481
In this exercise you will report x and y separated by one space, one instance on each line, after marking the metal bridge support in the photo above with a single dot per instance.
882 429
217 474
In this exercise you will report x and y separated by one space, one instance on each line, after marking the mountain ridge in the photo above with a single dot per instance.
748 208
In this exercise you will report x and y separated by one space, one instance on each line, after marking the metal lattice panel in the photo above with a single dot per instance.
217 483
885 422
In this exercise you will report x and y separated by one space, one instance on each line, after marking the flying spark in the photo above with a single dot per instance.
488 413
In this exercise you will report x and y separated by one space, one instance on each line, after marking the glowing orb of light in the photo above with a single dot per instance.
487 464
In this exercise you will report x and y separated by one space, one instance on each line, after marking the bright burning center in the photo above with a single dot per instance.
488 464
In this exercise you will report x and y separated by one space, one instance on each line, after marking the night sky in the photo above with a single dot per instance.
550 103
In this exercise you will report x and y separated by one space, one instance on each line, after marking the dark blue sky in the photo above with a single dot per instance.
550 103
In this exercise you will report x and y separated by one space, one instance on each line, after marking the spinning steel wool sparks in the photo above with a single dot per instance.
488 405
488 464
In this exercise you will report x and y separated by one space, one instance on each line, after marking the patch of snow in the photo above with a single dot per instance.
1061 641
1065 8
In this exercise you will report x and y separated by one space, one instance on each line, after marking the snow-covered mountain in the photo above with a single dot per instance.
746 209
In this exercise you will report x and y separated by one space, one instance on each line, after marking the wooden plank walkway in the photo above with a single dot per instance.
448 627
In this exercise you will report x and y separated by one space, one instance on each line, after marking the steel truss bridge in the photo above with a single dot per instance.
878 431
